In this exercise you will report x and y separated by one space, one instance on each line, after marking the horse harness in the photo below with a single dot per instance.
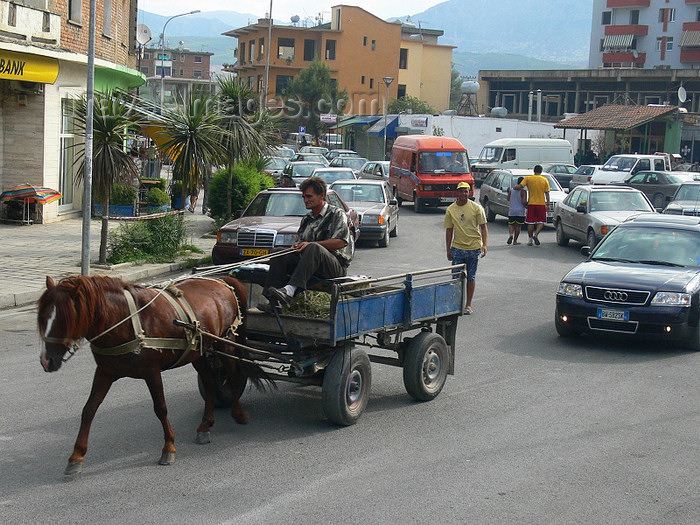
185 313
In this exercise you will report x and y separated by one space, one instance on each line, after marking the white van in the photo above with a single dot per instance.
521 154
297 140
619 167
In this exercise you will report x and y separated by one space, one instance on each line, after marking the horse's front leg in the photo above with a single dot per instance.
101 384
209 381
155 386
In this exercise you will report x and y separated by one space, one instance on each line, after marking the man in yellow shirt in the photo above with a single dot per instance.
466 235
537 203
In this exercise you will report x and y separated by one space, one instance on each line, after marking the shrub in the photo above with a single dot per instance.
156 240
176 188
157 197
247 182
122 195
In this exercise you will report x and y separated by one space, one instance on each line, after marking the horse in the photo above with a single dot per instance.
108 312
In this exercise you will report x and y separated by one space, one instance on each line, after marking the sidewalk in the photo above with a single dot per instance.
29 253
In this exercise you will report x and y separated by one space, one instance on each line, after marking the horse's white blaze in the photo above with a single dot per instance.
49 323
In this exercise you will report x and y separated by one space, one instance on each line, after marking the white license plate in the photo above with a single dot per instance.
448 199
613 315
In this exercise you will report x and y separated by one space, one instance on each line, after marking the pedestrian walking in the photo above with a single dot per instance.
517 201
537 203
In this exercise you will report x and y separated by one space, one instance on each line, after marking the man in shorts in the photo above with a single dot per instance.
466 235
537 203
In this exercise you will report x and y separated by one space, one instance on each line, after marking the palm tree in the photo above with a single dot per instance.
192 135
111 164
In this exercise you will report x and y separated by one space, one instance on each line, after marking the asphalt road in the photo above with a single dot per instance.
531 428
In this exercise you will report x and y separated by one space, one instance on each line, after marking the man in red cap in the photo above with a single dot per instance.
466 235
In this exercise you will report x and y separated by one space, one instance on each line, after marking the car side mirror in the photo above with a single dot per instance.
585 251
393 202
581 209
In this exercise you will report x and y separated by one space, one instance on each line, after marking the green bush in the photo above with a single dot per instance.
176 188
247 182
157 197
122 195
154 240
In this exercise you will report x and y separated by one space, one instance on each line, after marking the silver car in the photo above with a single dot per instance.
375 169
354 163
583 175
589 213
377 209
493 195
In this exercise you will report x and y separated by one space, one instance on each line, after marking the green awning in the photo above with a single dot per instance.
359 121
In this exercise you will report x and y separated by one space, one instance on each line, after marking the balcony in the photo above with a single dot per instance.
690 54
629 3
628 29
625 56
29 25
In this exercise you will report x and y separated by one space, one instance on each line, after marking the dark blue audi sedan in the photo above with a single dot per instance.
642 280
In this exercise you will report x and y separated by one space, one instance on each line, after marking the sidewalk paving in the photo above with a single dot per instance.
30 253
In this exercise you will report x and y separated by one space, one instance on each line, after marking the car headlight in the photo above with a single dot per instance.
285 239
426 187
671 299
570 290
369 218
228 237
604 229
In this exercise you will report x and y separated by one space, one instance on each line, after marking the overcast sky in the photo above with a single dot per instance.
282 10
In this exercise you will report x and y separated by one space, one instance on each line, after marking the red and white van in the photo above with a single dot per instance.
426 170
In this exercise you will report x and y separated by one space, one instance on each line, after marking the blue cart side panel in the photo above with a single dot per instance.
436 300
360 315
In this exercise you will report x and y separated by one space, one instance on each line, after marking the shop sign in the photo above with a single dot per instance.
30 68
419 122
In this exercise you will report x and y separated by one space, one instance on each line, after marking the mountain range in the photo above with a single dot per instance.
489 34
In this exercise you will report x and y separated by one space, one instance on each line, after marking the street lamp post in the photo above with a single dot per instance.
162 57
387 81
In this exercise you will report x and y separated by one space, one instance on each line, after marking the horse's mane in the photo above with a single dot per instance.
79 300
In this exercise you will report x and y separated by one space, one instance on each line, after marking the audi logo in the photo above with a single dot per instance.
615 296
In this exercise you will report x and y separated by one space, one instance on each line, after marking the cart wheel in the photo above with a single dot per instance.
222 390
346 384
425 366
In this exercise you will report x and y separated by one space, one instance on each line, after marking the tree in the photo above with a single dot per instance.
416 105
313 92
111 164
455 89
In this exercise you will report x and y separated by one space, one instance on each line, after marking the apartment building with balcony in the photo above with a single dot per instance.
179 70
360 49
43 69
650 34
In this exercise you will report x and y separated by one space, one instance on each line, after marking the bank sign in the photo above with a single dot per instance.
31 68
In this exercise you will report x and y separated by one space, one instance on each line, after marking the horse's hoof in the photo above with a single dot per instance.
168 458
203 438
241 418
73 469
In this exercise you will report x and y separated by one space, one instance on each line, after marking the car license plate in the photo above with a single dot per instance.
613 315
448 199
254 252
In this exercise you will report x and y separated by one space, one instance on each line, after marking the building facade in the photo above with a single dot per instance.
180 70
651 34
43 47
360 49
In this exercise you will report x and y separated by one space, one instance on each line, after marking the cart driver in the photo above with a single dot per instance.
322 248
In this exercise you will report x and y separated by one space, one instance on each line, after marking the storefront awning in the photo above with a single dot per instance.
617 41
377 129
358 121
27 67
690 39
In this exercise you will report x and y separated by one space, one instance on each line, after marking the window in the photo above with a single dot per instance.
146 56
46 23
669 43
12 16
371 83
144 70
182 57
330 49
697 15
285 48
659 43
509 155
667 14
69 152
251 50
75 8
362 81
182 72
197 59
606 19
159 71
633 45
401 91
364 40
107 18
602 45
634 17
374 45
261 48
251 82
242 53
281 83
403 58
309 50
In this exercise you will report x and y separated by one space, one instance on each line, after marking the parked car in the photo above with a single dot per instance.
309 157
686 200
269 224
658 186
590 212
618 167
298 171
641 281
583 175
493 195
378 210
274 167
341 153
331 174
314 149
354 163
282 151
375 169
562 172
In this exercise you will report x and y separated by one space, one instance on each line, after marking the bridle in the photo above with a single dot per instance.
71 346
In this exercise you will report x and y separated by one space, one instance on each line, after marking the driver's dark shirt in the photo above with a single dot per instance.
331 223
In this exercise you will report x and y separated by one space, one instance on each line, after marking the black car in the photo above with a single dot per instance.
642 280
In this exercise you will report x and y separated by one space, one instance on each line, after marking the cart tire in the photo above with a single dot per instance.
347 381
222 390
425 366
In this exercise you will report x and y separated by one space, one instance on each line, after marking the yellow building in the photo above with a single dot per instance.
360 50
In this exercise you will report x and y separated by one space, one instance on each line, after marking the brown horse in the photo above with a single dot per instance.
91 308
